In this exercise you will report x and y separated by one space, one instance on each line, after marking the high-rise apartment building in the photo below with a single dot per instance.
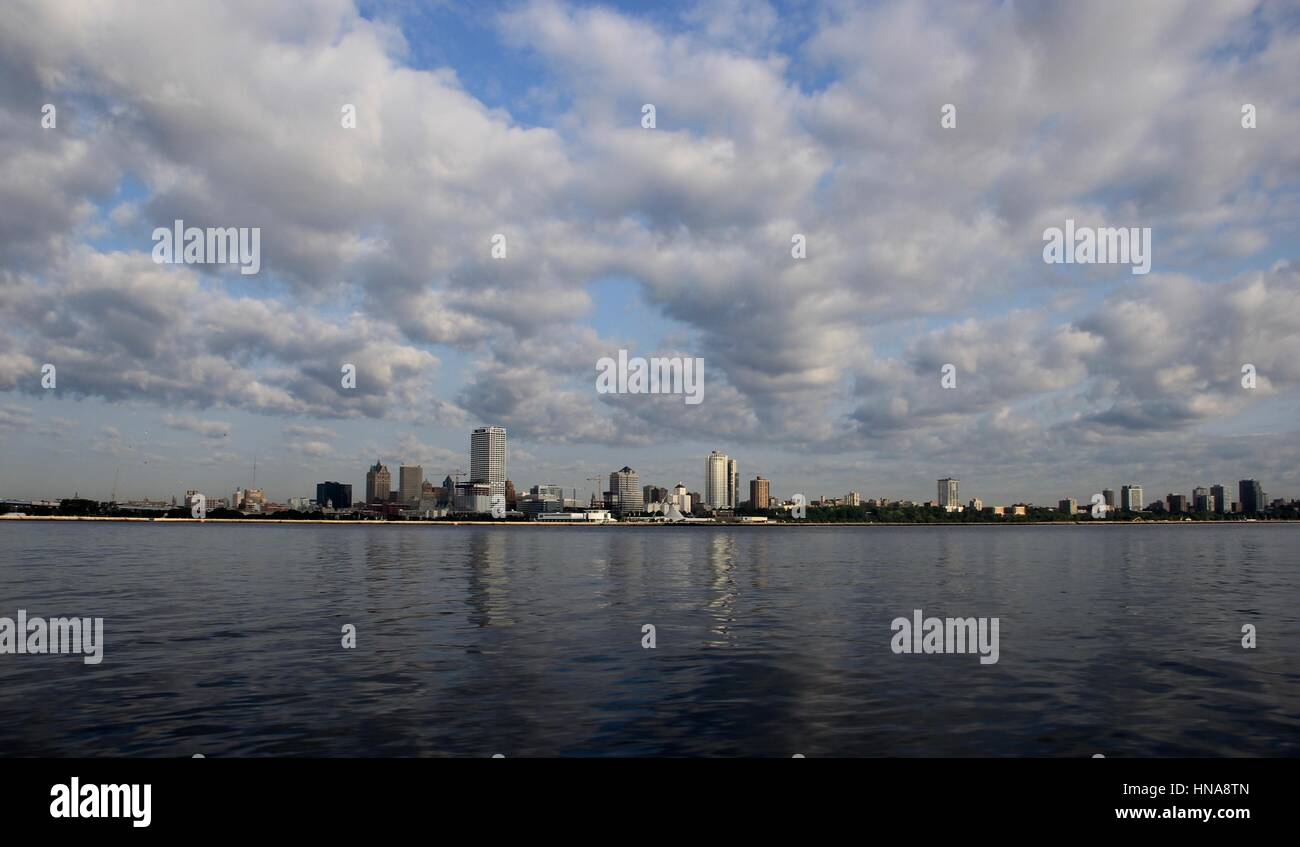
733 484
487 458
715 480
410 478
379 482
948 496
759 492
1250 494
625 492
1130 498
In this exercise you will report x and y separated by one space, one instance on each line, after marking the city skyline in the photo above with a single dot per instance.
624 493
868 311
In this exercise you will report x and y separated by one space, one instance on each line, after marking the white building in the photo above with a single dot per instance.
681 498
587 516
487 458
949 500
716 480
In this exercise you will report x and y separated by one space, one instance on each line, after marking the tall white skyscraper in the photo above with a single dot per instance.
487 458
948 497
716 480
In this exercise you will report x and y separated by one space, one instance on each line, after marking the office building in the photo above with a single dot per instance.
1219 496
1250 494
1108 497
733 484
1069 506
759 493
625 492
654 494
715 480
487 458
549 491
334 495
1130 498
379 483
1201 501
410 479
949 499
472 498
682 499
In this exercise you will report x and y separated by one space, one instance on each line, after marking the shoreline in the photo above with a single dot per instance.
311 522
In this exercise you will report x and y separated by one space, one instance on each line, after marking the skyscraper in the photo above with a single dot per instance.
733 484
487 458
948 497
654 494
1251 496
335 494
1201 501
1220 497
625 486
1108 496
410 478
715 480
1130 498
378 483
759 492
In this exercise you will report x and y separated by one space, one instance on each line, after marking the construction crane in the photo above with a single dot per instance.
595 489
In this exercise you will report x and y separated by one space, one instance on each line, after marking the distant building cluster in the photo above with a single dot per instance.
487 491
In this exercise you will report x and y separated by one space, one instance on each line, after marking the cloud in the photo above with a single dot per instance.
189 423
923 244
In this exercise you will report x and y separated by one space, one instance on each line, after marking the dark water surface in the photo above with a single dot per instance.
225 640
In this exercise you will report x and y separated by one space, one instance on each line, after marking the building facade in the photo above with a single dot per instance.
410 480
715 480
1130 498
948 496
625 492
487 458
759 493
1250 494
1219 497
379 482
336 495
681 498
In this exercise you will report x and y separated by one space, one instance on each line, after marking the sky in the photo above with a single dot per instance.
924 232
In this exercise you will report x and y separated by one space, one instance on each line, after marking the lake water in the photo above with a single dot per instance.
471 641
